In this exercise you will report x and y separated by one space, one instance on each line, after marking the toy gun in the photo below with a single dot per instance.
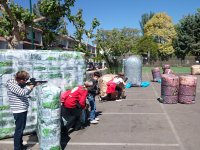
34 82
125 79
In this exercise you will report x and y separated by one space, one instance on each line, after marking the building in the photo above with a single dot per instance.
27 42
62 42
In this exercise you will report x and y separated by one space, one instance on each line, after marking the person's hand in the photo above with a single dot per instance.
31 86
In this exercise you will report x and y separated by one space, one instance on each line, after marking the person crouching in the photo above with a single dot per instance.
74 101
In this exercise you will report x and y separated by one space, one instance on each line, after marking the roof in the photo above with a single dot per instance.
2 39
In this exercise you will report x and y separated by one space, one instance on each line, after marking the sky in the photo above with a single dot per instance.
126 13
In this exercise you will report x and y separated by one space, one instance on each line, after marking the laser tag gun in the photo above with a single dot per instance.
34 82
125 79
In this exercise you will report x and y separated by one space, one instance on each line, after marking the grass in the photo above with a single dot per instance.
174 69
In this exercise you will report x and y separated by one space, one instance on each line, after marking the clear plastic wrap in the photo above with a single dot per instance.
133 70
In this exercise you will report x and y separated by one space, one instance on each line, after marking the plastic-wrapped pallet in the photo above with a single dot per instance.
156 74
64 69
187 89
49 117
133 70
195 70
169 88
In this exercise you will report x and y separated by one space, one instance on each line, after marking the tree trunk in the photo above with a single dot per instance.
16 34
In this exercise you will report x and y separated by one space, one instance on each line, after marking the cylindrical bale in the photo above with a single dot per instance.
168 71
49 127
170 99
133 70
187 91
169 88
156 74
170 80
185 99
165 66
189 80
195 70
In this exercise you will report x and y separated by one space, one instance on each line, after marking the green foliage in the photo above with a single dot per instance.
146 45
188 36
55 12
79 25
111 44
13 21
144 19
161 28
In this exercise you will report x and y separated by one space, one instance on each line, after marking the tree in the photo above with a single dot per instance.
13 22
79 25
55 13
161 28
111 44
147 46
144 19
188 36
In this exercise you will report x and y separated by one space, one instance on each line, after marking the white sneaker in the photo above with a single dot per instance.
97 119
94 122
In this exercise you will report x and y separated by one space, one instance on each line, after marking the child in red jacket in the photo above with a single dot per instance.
74 101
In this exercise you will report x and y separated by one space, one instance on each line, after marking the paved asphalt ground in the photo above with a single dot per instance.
138 122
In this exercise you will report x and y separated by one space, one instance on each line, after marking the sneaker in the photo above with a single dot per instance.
97 119
94 122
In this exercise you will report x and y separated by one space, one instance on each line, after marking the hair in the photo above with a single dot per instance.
120 74
98 74
22 75
88 84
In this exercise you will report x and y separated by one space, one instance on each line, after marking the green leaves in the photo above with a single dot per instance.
161 28
112 44
188 36
146 45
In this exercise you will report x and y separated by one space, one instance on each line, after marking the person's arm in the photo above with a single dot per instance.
15 88
122 81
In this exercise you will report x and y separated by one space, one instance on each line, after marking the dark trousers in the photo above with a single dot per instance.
20 124
72 116
119 90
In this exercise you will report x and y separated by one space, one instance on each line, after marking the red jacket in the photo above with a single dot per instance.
111 86
69 98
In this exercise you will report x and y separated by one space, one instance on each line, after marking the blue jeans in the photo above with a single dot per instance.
20 124
91 99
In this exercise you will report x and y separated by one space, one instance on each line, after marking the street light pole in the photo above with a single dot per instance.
32 41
